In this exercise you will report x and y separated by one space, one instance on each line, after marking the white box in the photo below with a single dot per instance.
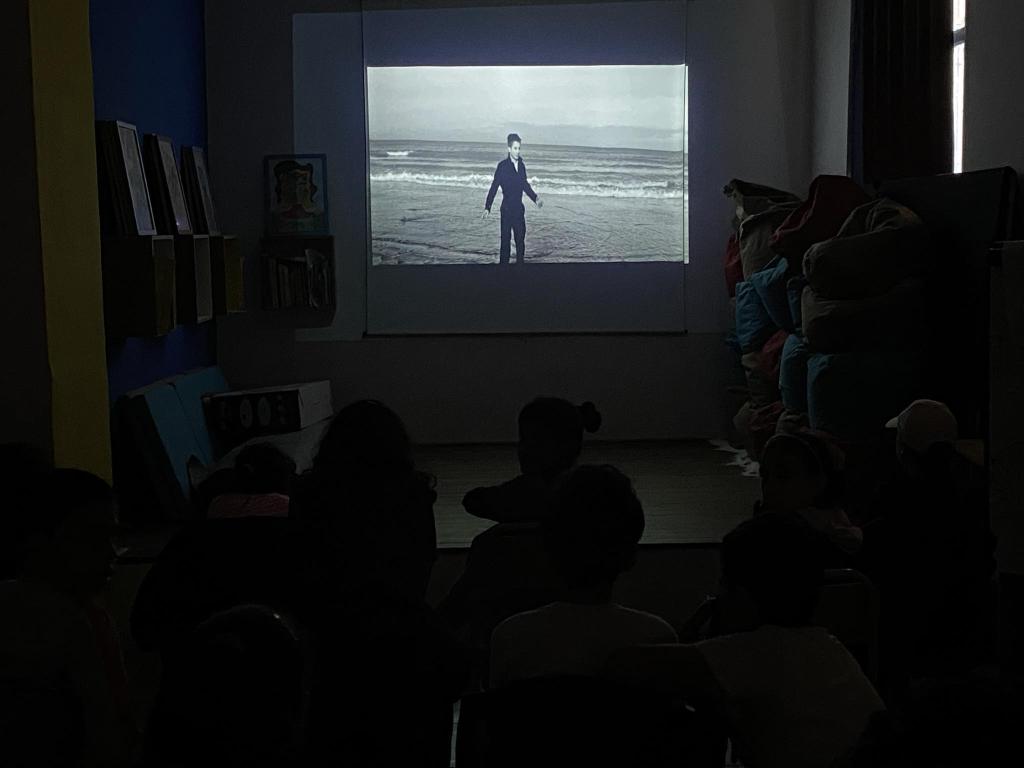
269 410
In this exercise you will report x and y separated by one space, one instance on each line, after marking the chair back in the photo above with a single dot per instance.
571 720
848 608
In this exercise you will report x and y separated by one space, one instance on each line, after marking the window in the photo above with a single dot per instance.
959 41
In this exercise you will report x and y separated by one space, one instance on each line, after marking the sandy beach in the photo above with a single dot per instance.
442 225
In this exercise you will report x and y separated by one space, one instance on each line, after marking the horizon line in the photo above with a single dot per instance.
535 144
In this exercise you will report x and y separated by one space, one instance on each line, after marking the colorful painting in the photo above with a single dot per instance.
296 194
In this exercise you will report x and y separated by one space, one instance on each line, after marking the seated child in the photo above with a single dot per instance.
258 486
799 476
791 694
64 695
591 536
550 441
929 548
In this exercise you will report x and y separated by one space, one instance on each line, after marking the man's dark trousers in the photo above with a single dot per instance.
513 222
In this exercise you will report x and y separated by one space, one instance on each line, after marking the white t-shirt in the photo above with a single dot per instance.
795 696
569 639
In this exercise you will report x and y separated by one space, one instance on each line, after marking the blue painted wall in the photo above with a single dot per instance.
149 68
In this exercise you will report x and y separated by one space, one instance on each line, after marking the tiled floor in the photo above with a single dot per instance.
692 491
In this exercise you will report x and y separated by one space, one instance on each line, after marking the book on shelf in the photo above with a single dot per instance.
298 280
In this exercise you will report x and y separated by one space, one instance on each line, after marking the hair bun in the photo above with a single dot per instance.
590 417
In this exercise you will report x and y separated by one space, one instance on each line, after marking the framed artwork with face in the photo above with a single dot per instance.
296 194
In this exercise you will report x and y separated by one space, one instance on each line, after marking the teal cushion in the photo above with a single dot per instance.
770 284
793 374
190 388
851 395
754 326
173 428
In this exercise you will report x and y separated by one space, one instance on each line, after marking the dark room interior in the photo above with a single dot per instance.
492 383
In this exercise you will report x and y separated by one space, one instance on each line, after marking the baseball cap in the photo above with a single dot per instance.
924 423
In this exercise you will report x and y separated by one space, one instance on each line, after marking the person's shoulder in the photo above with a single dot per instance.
507 632
523 621
649 622
772 639
734 643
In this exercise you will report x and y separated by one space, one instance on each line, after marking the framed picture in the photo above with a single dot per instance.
165 189
125 206
296 194
112 181
138 191
197 188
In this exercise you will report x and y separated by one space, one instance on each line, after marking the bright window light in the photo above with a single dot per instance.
959 43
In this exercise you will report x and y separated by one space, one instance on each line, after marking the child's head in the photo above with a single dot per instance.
926 432
593 530
771 571
365 437
551 433
263 468
65 535
797 471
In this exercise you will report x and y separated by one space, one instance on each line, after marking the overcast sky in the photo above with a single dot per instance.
621 106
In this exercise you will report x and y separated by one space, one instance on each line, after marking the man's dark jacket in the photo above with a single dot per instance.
512 184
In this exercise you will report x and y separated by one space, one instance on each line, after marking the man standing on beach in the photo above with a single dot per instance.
510 175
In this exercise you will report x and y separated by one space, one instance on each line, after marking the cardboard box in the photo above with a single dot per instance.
268 410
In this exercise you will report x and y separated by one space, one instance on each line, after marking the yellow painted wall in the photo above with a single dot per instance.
69 225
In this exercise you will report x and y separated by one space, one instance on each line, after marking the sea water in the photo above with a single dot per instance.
600 204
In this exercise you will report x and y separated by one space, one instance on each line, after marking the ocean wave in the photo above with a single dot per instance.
665 190
402 153
421 165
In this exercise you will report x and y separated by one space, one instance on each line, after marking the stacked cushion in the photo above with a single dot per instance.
880 245
851 395
837 325
830 200
770 286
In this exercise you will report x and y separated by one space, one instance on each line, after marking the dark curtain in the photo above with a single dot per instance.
901 73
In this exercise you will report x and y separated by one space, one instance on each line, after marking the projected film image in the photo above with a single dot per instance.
495 165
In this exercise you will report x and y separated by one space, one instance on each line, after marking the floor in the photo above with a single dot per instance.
693 491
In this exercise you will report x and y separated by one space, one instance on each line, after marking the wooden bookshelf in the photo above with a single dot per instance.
139 286
194 278
297 274
227 266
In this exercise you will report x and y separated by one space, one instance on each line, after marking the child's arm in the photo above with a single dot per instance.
518 500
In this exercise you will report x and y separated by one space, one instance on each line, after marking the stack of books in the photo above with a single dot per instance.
302 280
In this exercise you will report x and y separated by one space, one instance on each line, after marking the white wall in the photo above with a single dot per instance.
750 117
994 70
994 136
830 74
